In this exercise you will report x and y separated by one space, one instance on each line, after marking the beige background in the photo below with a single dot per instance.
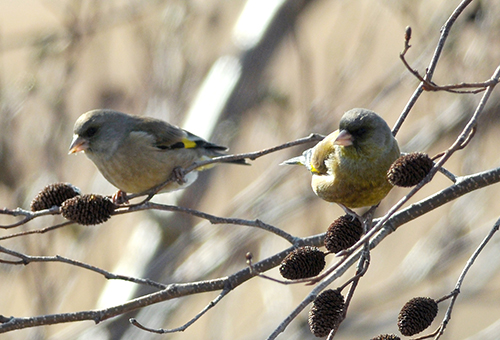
59 59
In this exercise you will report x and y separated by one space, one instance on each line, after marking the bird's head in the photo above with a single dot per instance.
362 132
99 131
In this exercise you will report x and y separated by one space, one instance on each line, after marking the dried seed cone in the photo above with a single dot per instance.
88 209
302 263
386 337
326 312
343 233
410 169
416 315
53 195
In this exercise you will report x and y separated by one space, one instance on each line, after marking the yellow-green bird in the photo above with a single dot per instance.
349 166
137 153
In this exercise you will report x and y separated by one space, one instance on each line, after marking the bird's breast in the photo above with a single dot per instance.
135 170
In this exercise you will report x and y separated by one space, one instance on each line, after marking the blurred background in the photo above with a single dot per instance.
250 75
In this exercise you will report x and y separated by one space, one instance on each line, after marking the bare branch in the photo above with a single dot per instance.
27 259
458 286
457 145
182 328
170 291
211 218
147 206
445 31
28 215
37 231
464 186
314 137
453 88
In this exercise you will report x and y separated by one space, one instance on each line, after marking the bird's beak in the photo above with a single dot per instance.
78 144
343 139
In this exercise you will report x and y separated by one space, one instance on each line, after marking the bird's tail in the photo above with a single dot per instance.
300 160
211 150
305 159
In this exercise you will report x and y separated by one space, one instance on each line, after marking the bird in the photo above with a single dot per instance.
349 166
137 153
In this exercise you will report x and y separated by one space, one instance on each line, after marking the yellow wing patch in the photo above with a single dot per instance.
313 169
188 144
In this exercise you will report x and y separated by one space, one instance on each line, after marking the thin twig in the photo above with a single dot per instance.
28 215
314 137
154 206
308 281
445 31
249 258
457 145
453 88
461 278
451 176
182 328
362 268
463 186
27 259
171 291
37 231
211 218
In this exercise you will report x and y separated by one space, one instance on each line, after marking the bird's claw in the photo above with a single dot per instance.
351 213
179 175
120 197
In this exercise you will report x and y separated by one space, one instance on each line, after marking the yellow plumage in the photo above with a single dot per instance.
349 166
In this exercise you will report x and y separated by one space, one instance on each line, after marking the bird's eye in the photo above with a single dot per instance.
360 131
91 131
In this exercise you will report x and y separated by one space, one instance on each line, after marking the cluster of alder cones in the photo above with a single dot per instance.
327 311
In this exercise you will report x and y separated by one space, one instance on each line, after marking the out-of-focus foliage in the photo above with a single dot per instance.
60 58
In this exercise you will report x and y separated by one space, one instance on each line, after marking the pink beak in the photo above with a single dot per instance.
343 139
78 144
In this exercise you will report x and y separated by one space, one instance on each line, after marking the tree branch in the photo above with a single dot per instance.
445 31
170 291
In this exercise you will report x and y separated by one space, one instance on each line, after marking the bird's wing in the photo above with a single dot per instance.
166 136
196 141
295 160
